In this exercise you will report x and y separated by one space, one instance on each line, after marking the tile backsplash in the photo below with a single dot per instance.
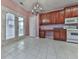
51 27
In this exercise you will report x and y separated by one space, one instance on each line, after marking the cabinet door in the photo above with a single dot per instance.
60 34
53 18
45 18
42 34
71 11
40 19
61 17
56 17
56 35
74 11
67 12
48 17
63 35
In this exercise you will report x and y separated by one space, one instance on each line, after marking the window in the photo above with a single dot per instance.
10 26
21 26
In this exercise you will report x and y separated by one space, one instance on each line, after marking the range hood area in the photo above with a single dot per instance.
70 24
71 27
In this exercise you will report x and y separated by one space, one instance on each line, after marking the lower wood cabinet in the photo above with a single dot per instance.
60 34
42 34
56 35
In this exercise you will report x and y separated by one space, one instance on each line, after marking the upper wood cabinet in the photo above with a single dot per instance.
52 17
48 17
58 17
67 12
56 14
71 11
45 18
74 11
61 16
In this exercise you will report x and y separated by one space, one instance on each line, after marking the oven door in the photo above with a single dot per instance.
72 36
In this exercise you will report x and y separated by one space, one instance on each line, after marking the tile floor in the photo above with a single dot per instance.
33 48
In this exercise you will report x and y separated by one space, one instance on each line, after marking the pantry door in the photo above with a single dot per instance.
32 26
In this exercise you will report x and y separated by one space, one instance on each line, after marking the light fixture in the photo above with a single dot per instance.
21 3
37 8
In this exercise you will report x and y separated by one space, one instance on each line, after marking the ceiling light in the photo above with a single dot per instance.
41 8
21 3
37 8
32 11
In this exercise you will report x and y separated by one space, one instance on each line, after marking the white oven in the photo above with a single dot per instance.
72 30
72 36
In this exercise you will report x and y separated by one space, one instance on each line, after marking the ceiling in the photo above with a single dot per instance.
48 5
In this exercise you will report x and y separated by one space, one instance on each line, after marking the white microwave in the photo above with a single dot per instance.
71 20
70 27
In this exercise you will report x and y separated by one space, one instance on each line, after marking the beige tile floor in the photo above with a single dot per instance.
32 48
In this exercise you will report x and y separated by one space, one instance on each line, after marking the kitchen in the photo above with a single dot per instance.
39 29
60 25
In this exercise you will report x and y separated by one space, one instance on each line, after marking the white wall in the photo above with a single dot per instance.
3 26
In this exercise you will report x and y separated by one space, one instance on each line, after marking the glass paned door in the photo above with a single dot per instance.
21 26
10 26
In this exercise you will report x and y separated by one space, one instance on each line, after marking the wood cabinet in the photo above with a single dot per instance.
56 35
53 18
60 34
61 17
63 34
67 12
71 11
45 18
56 20
48 17
74 11
56 17
42 17
42 34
